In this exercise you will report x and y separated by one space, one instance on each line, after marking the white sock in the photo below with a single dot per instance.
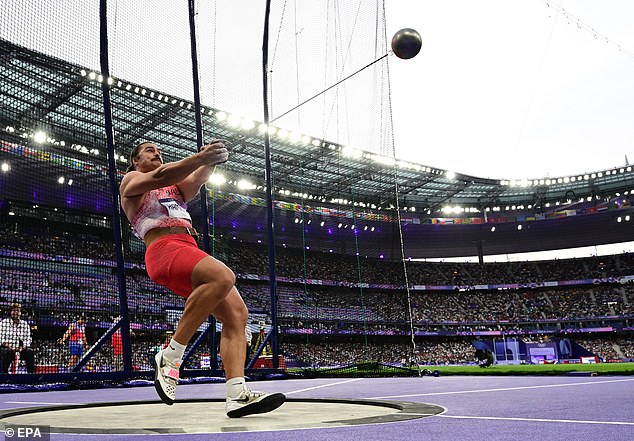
235 385
174 351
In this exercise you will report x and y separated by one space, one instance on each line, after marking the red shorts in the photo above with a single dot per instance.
170 260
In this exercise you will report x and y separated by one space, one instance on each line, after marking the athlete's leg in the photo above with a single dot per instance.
233 313
212 281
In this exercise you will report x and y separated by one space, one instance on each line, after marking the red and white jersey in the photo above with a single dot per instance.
163 207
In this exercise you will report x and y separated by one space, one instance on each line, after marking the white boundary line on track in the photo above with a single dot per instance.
540 420
323 385
503 389
42 402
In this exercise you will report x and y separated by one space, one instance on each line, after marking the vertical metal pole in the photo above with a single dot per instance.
203 191
269 189
114 187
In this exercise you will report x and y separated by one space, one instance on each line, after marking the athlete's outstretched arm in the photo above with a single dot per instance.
190 186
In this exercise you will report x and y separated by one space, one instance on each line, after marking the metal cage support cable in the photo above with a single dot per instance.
199 143
269 189
116 198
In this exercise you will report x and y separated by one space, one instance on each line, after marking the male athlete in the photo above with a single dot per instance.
154 197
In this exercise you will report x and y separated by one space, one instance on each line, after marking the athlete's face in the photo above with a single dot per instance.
149 158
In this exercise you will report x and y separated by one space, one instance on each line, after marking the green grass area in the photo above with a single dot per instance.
538 369
379 370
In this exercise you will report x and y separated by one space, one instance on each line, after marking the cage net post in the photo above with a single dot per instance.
57 217
341 290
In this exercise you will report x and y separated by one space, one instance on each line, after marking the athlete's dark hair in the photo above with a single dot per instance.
135 154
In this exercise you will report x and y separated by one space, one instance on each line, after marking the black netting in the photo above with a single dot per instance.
342 223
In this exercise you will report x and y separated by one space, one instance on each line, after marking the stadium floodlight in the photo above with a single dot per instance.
61 180
385 160
243 184
450 174
247 124
70 182
618 219
351 152
40 136
282 134
234 120
519 227
217 179
221 116
492 229
5 167
294 137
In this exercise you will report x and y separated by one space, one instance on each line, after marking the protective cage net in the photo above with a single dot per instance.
339 278
342 307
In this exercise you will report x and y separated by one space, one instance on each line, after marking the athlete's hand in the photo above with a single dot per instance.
214 153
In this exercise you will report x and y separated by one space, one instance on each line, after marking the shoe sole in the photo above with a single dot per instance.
157 384
267 404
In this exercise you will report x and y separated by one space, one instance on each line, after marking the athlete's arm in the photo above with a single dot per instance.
190 186
136 183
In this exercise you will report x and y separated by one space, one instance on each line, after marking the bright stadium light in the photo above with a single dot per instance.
61 180
247 124
217 179
5 167
234 120
243 184
40 136
351 152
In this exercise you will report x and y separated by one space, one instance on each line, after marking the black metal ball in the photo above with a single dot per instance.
406 43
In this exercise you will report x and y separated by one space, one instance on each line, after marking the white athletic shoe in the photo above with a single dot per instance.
250 402
165 378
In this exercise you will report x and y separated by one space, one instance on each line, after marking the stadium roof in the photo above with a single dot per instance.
64 101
